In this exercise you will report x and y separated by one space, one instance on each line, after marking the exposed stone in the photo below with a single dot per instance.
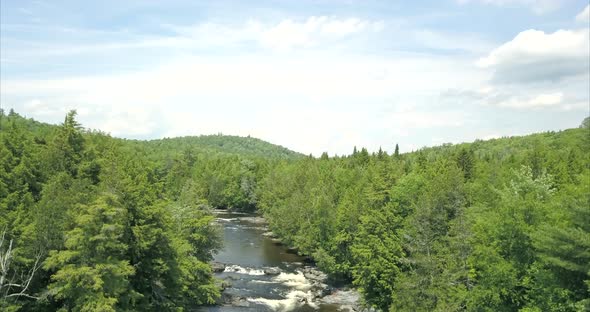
272 271
292 250
225 299
217 267
269 234
349 300
240 302
314 274
225 284
255 220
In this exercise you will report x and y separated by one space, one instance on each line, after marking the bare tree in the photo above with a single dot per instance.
12 283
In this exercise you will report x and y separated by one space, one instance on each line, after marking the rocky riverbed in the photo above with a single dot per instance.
258 273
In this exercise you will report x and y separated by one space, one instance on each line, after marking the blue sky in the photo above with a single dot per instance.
313 76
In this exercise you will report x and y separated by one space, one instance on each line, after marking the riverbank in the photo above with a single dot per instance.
258 273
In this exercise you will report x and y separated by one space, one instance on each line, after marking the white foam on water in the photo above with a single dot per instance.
255 220
241 270
263 282
261 228
223 211
293 299
226 219
294 280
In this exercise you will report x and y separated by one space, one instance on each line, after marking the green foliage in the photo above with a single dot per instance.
104 224
489 226
219 144
96 225
91 272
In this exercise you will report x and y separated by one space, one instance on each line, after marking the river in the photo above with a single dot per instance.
262 275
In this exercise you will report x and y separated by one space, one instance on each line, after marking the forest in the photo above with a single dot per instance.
89 222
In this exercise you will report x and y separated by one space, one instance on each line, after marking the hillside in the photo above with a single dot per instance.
169 147
226 144
502 224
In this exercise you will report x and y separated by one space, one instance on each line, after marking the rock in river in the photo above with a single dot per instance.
217 267
314 274
272 271
254 220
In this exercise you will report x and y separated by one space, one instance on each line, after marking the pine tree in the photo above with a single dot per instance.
66 149
92 273
465 161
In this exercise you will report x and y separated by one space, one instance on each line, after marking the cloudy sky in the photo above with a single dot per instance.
313 76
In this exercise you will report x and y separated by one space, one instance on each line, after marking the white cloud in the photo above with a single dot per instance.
290 34
539 101
548 98
536 44
283 35
491 136
286 34
44 109
537 6
345 27
405 122
534 55
436 39
584 16
312 104
329 92
132 121
314 76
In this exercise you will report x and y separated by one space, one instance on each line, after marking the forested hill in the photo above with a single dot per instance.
226 144
93 223
168 147
89 222
499 225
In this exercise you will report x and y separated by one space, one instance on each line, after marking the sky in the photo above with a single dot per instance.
313 76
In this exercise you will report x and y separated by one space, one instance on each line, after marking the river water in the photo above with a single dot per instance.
263 275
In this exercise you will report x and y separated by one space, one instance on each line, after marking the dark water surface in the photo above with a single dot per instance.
247 253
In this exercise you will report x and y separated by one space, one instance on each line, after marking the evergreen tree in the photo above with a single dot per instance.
92 273
95 223
66 148
465 161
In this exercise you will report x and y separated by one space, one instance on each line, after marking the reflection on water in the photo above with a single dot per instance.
245 245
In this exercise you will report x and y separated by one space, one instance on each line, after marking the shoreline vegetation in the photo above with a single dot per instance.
94 223
297 278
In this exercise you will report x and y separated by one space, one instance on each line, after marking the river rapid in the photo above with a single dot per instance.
260 274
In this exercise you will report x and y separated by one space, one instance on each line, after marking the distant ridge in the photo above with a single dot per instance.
227 144
209 144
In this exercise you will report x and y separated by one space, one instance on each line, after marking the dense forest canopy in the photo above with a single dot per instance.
89 222
219 143
500 225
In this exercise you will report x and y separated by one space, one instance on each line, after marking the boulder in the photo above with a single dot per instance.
217 267
240 302
314 274
272 271
269 234
320 290
225 285
292 250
